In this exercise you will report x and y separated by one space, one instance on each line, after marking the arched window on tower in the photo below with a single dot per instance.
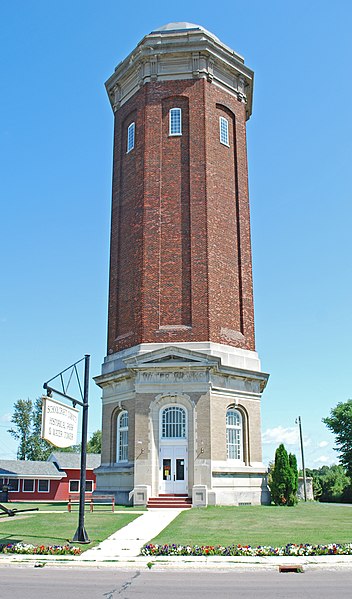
122 437
131 132
175 121
173 423
224 131
234 436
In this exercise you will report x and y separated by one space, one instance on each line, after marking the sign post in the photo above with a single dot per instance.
80 535
58 424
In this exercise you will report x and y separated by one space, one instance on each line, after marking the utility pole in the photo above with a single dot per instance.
302 455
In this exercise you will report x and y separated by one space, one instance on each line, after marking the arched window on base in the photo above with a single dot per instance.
234 435
122 437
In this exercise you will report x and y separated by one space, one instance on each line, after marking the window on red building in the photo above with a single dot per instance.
74 486
28 485
43 486
13 484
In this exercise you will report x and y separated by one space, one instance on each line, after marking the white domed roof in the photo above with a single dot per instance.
178 25
182 26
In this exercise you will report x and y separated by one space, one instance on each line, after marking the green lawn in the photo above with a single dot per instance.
260 525
41 528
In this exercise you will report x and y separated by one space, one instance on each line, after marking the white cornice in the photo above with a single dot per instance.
172 366
179 55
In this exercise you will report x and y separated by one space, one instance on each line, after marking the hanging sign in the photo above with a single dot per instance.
59 423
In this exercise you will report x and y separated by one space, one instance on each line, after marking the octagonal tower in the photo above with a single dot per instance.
181 371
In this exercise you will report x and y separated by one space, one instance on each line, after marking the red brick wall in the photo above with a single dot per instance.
180 265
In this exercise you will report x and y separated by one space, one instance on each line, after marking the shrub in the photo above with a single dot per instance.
283 480
293 486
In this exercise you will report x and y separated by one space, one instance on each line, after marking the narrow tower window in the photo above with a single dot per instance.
234 434
175 121
122 437
130 137
224 131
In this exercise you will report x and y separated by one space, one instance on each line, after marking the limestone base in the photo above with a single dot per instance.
203 380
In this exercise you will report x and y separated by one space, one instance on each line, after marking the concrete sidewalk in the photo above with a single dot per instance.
127 542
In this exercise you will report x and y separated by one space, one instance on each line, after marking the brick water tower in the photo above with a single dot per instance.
181 381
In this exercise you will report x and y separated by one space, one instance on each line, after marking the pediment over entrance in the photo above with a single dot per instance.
170 357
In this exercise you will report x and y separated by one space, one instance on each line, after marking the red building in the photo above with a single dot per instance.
53 480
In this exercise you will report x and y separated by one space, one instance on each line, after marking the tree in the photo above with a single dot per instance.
22 420
39 449
70 449
331 483
27 419
284 478
333 480
94 443
292 495
340 423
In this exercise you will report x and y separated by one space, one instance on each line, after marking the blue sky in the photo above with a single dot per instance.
56 129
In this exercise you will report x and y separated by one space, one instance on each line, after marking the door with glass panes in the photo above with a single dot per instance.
173 469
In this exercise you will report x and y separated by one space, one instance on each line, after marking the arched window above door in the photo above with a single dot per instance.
173 423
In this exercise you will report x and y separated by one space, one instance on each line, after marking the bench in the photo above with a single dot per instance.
99 499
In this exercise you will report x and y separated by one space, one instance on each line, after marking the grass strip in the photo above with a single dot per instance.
41 528
311 523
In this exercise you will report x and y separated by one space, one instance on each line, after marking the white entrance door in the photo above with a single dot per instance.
173 469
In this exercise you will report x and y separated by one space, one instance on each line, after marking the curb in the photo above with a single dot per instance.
160 563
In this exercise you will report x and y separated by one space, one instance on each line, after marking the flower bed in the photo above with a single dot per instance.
247 550
28 549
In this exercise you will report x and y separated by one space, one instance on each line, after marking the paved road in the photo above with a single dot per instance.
39 583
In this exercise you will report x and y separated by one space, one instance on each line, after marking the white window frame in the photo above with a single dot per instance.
131 136
176 425
44 480
122 437
26 480
74 480
175 122
18 485
224 131
234 437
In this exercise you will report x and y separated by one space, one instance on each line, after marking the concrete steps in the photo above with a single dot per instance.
170 501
